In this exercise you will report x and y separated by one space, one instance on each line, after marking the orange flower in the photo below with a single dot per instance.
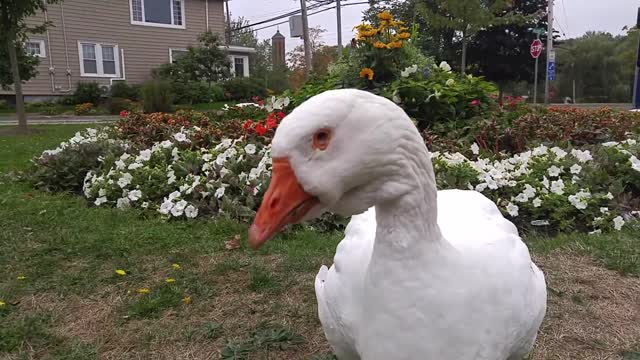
404 35
379 45
385 15
395 44
367 72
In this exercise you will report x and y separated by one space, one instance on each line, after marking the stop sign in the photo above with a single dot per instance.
536 48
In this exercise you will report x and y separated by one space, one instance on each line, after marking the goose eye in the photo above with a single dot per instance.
321 139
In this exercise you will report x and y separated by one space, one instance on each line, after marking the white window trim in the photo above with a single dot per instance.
99 64
171 50
144 23
245 63
43 48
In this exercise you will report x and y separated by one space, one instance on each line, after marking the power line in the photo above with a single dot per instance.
296 12
313 13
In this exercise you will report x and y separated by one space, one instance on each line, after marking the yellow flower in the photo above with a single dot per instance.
404 35
2 304
175 266
121 272
170 280
186 300
367 72
144 291
402 28
379 45
385 15
21 277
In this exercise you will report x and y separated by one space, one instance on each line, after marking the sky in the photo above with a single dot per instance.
573 17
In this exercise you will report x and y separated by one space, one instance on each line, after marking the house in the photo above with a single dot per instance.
115 40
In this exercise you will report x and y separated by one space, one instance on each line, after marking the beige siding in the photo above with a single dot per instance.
109 21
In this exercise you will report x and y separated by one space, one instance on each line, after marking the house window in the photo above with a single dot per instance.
36 48
164 13
175 54
238 66
98 60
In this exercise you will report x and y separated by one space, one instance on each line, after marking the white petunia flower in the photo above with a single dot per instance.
123 203
475 149
481 187
635 163
191 212
560 154
540 150
250 149
618 223
175 154
545 182
125 180
529 191
101 200
582 156
144 205
537 202
167 144
135 195
575 169
120 165
610 144
604 210
512 209
145 155
595 232
557 187
181 137
178 208
523 198
166 207
630 142
124 156
409 70
102 192
224 172
579 200
554 171
609 196
219 192
134 166
174 195
207 157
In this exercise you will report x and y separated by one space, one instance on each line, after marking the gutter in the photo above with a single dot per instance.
52 69
66 50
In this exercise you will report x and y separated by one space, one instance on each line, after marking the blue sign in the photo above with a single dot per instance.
551 71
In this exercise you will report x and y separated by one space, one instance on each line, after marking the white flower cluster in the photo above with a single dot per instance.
88 136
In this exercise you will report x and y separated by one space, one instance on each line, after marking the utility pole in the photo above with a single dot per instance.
549 49
636 86
305 36
339 21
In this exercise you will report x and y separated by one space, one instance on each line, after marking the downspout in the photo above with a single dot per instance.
206 10
124 70
66 49
52 70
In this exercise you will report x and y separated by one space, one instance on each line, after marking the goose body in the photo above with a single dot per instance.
421 274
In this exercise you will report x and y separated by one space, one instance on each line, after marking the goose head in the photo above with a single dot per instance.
341 151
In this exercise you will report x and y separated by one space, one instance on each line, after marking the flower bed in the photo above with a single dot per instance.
192 165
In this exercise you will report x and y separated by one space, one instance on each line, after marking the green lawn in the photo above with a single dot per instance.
64 299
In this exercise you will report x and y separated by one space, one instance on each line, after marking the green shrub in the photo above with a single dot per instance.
197 92
4 105
117 105
243 89
157 96
88 92
123 90
67 100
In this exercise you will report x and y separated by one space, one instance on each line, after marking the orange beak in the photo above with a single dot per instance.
284 203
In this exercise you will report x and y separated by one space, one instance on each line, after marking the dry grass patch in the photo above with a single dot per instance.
592 313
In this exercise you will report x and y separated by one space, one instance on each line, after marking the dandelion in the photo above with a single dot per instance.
176 266
186 300
367 72
618 223
170 280
143 291
121 272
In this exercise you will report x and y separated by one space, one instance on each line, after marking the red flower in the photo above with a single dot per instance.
247 125
261 102
255 99
260 129
272 123
124 113
280 115
475 102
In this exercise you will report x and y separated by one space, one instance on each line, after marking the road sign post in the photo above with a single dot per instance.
536 50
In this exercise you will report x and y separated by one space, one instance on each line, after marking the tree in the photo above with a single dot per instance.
206 62
465 17
13 33
501 52
296 57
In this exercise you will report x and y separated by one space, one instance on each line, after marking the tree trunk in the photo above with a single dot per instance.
17 83
463 66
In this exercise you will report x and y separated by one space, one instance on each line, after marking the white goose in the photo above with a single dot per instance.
427 274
